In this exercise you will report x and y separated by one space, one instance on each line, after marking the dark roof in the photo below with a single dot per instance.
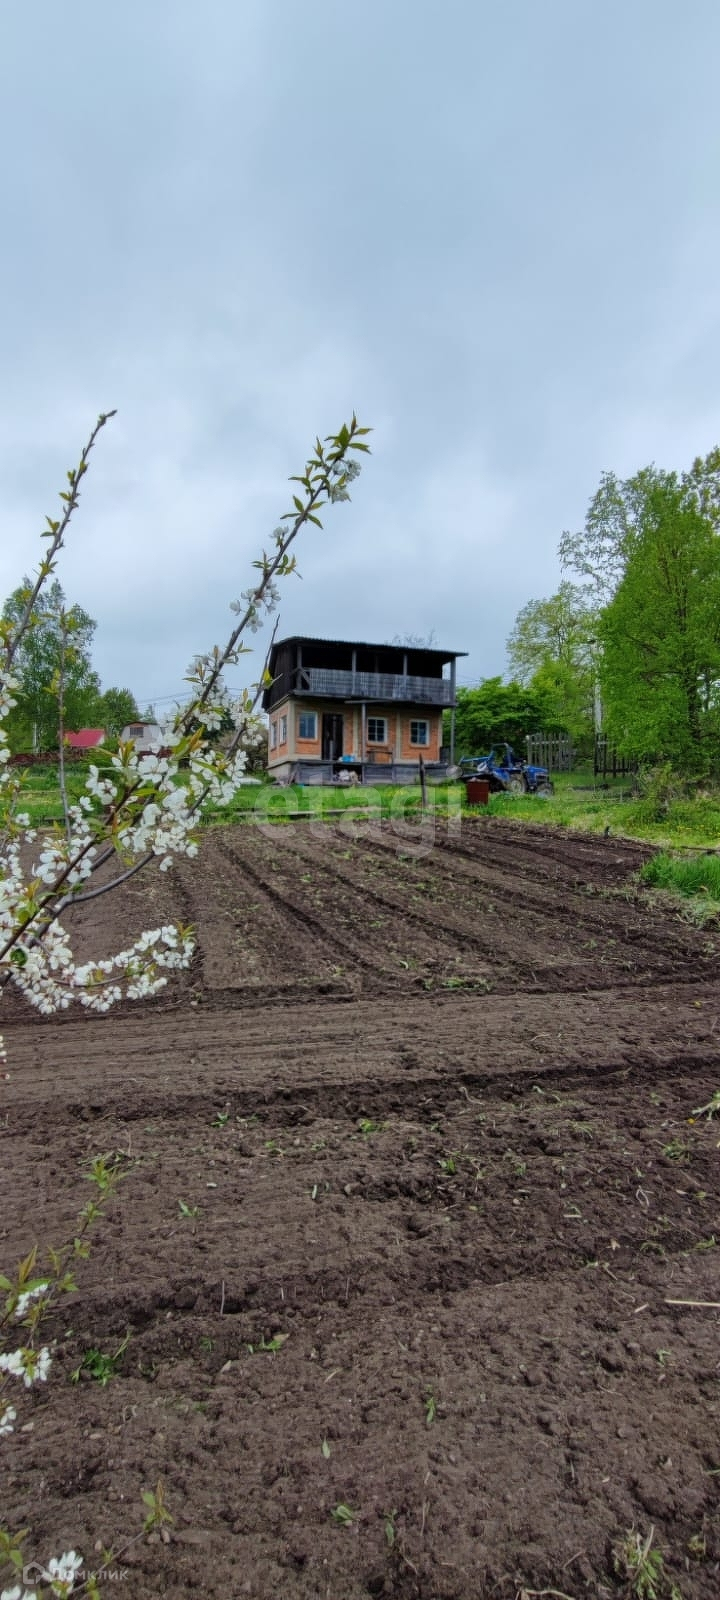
368 644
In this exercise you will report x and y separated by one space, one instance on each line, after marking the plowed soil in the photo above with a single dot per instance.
418 1222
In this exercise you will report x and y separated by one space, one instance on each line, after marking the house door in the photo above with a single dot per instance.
332 736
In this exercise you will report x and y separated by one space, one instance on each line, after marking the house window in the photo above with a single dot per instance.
307 725
283 730
376 730
420 733
273 735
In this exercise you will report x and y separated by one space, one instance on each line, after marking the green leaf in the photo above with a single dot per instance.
430 1404
343 1514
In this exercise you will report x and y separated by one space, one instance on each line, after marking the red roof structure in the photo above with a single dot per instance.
85 739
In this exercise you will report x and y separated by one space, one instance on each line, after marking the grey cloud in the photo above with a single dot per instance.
491 230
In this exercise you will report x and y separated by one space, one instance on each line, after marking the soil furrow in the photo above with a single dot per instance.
419 1220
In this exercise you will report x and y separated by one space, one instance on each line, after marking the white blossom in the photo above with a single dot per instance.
30 1365
12 1363
62 1571
7 1419
27 1297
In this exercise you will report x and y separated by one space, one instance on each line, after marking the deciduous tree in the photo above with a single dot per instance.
115 709
660 632
552 651
59 641
496 711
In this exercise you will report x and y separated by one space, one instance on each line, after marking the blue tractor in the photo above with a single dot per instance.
506 773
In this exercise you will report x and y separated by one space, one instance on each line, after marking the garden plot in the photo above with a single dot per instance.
417 1250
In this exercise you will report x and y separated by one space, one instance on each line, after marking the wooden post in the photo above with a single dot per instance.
423 782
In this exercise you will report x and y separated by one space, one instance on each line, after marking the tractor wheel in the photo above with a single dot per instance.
545 788
516 784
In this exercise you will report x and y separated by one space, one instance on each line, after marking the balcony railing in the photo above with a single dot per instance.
373 686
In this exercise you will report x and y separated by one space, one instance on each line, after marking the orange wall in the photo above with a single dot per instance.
429 751
396 746
306 747
282 747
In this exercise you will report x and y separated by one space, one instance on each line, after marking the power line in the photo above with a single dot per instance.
181 695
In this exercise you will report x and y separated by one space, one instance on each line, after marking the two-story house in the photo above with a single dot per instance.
374 710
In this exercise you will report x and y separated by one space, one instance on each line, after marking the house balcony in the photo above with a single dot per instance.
332 684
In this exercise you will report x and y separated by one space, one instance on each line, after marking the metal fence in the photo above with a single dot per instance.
607 762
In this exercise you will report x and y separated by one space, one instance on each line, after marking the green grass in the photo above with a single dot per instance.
317 801
683 821
690 876
40 791
40 798
578 802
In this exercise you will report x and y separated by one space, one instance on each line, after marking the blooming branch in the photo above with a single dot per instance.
140 808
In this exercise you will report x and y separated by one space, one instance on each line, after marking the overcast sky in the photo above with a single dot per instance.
491 229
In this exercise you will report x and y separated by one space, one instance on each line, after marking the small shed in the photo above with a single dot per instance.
148 737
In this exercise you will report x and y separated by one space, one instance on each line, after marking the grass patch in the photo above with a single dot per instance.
40 790
275 803
683 821
268 802
580 801
695 878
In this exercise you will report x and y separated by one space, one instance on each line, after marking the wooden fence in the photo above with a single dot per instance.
555 751
551 750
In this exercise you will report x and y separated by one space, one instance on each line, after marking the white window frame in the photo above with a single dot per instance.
417 723
375 738
273 735
283 730
307 716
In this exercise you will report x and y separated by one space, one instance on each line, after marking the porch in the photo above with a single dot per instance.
340 774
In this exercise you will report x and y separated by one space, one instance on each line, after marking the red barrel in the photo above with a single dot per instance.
478 791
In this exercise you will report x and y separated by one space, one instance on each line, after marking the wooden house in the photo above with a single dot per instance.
340 710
